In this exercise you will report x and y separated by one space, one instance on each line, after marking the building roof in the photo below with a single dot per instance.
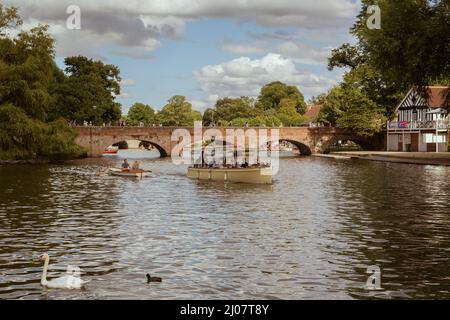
437 96
312 112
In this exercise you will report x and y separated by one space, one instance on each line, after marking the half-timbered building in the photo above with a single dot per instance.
422 123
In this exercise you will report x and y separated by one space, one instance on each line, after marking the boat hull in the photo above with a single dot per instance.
127 174
242 175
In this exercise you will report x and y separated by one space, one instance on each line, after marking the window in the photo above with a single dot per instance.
431 138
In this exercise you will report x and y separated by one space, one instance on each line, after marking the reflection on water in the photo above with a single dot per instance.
310 235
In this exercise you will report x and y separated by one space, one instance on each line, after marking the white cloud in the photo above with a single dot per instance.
245 77
304 53
142 24
297 50
127 82
202 105
124 95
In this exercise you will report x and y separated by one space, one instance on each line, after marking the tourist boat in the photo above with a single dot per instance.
254 174
130 173
258 173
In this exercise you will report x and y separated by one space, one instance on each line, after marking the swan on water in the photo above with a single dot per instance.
70 281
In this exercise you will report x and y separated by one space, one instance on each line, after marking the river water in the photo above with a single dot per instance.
311 235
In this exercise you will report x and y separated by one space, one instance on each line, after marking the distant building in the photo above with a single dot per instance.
312 113
422 124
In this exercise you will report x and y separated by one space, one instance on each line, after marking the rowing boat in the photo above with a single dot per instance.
111 150
130 173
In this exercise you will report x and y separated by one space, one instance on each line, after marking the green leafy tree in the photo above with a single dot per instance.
412 46
272 121
9 19
140 112
197 115
273 93
239 122
27 73
410 49
231 108
178 112
349 107
208 116
88 92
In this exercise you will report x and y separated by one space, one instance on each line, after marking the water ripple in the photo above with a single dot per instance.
310 235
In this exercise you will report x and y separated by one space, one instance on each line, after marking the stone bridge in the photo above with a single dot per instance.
308 140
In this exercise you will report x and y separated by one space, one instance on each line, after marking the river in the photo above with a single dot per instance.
311 235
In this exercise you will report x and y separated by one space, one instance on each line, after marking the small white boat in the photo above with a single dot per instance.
130 173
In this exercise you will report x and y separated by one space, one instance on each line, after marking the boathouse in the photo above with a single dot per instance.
423 122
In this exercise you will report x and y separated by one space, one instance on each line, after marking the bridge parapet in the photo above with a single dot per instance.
308 140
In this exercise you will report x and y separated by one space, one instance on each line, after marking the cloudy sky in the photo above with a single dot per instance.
203 49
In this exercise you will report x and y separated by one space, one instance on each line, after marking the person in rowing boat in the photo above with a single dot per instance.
125 165
135 165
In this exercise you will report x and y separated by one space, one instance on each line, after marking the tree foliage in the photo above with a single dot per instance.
87 90
27 74
411 49
178 112
273 93
22 137
141 113
278 104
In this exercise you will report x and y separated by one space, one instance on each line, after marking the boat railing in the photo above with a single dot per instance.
206 166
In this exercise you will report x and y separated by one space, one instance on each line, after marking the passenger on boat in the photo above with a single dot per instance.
125 164
135 165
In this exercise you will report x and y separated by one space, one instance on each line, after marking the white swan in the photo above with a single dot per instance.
68 281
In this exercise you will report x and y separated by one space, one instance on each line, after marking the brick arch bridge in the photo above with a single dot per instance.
308 140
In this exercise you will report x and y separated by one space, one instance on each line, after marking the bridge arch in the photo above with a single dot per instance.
162 152
360 141
302 148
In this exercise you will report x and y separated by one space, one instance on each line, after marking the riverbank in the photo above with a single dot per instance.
419 158
30 161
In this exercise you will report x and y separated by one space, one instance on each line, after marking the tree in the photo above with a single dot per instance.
208 116
411 48
288 115
349 108
27 72
88 92
231 108
178 112
140 112
272 94
9 19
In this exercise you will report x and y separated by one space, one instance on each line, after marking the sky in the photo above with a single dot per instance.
202 49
